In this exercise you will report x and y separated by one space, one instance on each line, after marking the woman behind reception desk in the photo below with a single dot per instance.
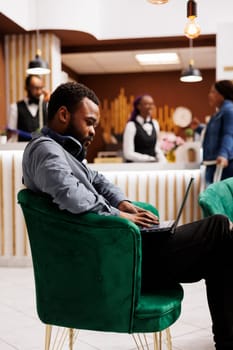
140 137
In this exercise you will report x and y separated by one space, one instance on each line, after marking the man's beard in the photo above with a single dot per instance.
70 132
32 98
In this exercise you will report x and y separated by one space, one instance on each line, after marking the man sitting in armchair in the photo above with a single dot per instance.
53 164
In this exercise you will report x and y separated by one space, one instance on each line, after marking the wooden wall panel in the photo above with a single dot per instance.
2 86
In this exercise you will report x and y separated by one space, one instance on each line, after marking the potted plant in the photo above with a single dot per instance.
189 134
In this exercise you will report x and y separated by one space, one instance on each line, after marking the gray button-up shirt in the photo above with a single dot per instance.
51 165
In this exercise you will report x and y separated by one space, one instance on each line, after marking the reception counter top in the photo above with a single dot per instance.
16 146
160 185
143 166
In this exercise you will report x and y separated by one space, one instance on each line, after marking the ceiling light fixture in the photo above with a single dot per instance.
192 30
38 66
158 2
157 58
191 74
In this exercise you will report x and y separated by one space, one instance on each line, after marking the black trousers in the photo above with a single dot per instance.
199 250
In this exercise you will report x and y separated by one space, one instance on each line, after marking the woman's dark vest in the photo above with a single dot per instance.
144 143
26 122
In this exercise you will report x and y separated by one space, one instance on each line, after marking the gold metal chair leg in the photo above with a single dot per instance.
62 337
169 339
141 342
145 340
71 338
135 340
48 332
155 336
160 340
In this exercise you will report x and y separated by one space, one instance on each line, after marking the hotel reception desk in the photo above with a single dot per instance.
160 185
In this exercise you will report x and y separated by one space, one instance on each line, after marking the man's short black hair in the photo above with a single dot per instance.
69 95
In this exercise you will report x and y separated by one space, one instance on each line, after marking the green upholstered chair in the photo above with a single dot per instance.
217 198
87 271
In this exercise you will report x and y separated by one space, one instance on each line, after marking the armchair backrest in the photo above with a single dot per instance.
217 198
87 267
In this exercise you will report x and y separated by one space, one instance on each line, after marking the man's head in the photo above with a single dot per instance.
34 87
73 110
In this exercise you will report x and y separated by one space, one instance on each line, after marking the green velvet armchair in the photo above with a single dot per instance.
87 271
217 198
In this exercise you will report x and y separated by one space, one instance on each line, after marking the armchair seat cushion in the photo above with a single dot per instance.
152 305
158 310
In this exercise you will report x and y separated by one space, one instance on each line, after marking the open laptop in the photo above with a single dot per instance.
169 227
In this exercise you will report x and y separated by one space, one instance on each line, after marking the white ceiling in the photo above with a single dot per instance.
125 61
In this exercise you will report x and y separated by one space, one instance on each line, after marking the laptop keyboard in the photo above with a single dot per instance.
167 223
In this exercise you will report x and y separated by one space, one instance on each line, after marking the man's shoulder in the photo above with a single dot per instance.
21 102
40 141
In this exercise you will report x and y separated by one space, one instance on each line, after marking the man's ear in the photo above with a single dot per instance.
63 115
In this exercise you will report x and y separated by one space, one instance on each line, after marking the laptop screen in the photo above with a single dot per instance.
182 204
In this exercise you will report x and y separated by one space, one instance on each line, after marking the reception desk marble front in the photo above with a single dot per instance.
160 185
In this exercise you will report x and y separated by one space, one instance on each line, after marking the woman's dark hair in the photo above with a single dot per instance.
225 88
69 95
135 110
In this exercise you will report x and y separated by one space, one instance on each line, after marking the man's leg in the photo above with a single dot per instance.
202 249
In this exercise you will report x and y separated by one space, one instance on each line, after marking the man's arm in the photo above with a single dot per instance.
46 169
226 138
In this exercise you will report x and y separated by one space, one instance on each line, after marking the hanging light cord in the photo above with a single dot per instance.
191 61
38 50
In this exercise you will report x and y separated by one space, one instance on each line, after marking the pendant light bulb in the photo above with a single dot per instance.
158 2
192 30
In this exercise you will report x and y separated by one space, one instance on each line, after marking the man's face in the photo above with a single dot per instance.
35 88
83 122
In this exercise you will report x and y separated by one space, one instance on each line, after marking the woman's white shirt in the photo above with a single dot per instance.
129 146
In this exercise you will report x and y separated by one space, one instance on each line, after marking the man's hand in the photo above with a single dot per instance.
222 161
195 123
46 94
128 207
137 215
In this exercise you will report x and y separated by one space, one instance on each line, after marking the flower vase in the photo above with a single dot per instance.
171 156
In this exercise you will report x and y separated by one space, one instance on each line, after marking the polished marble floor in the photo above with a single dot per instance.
20 328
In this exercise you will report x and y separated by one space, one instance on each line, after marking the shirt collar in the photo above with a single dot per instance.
30 102
69 143
141 120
